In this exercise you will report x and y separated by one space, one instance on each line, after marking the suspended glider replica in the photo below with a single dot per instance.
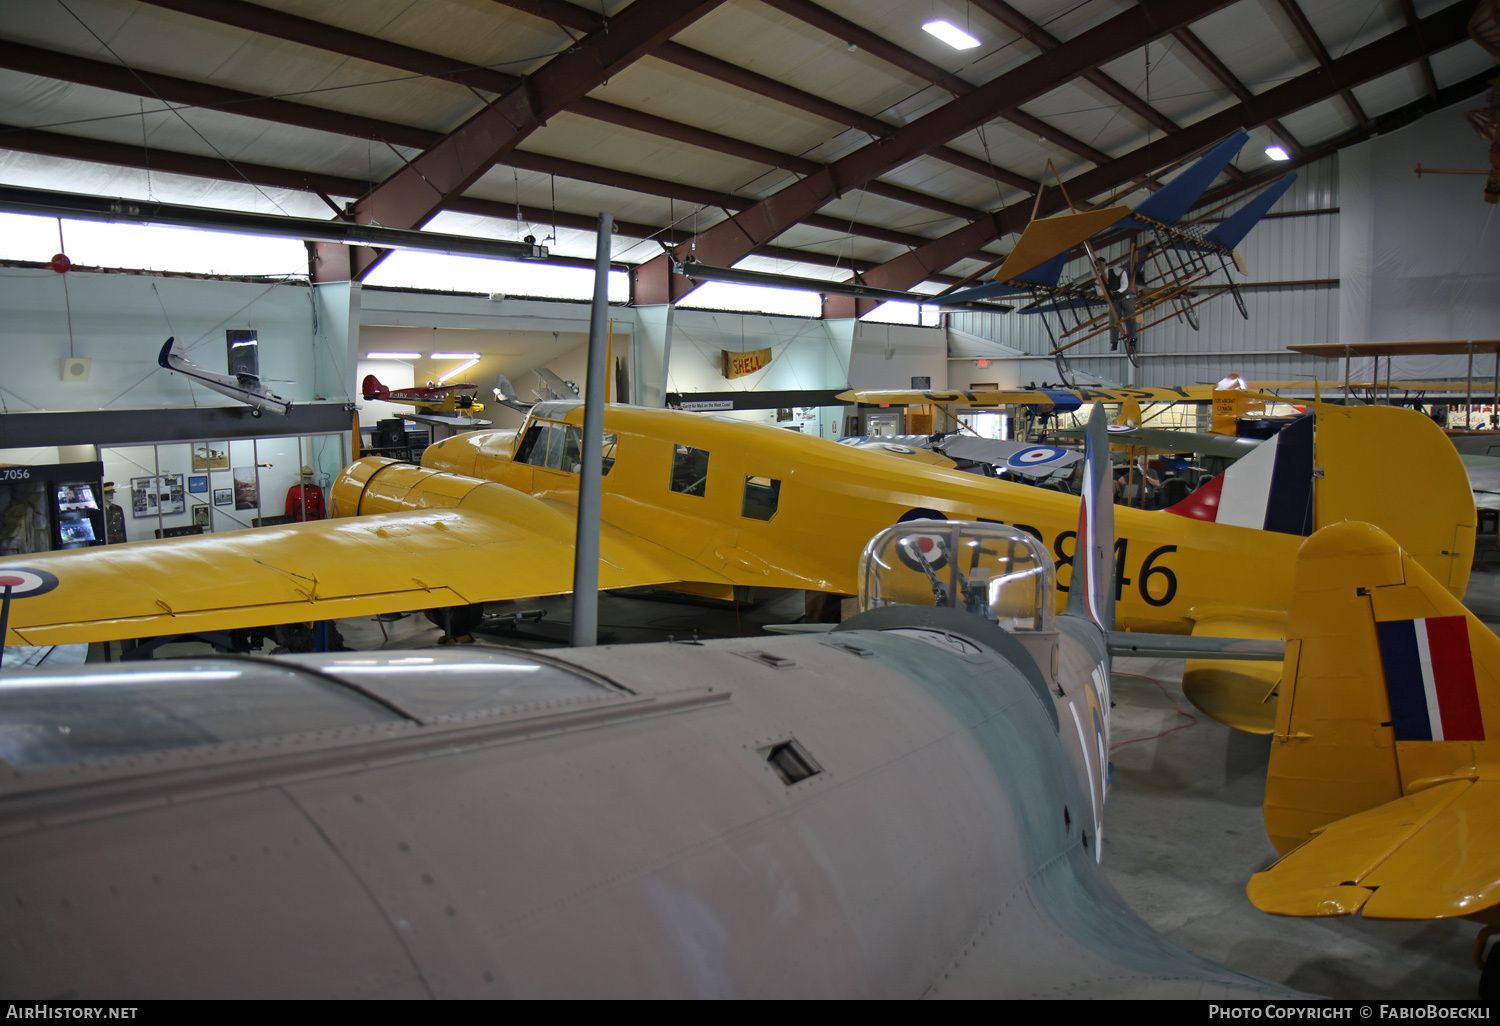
1172 270
244 387
708 506
907 806
1383 789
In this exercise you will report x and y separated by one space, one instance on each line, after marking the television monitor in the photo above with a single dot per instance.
75 495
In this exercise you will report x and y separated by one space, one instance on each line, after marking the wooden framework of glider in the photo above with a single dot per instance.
1389 350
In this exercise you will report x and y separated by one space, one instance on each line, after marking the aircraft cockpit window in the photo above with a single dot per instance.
992 570
53 717
558 446
761 497
689 470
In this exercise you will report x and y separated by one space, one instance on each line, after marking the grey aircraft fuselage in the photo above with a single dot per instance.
867 813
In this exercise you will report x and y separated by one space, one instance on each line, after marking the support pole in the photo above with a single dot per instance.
666 352
590 483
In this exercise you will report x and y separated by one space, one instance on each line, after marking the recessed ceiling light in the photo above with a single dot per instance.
1277 153
951 34
393 356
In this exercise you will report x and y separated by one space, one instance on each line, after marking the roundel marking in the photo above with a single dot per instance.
892 447
919 551
25 581
1036 455
1120 429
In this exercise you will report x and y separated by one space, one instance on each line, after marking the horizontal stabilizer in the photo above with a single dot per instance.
1430 855
1177 197
1232 231
1084 303
1047 239
1183 646
1239 694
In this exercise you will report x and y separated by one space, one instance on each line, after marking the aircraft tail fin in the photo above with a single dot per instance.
1271 489
1169 203
1388 711
1092 592
504 390
169 349
371 388
1232 231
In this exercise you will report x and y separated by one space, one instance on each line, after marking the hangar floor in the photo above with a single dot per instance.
1183 833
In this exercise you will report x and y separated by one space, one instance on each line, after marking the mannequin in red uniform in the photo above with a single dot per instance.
305 501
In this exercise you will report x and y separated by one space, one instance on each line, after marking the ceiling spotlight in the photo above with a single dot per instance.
951 34
1277 153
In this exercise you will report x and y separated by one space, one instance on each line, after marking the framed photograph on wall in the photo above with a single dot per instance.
210 455
200 514
198 484
223 496
157 496
246 488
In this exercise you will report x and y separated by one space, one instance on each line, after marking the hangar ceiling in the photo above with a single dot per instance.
819 138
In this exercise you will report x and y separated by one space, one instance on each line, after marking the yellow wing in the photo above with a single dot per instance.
1068 398
517 546
1429 855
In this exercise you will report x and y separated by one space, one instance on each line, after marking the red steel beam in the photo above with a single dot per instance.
1446 28
1217 68
85 71
725 243
52 144
1310 37
1046 41
571 16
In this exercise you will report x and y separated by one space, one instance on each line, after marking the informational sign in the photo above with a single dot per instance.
737 365
924 381
708 406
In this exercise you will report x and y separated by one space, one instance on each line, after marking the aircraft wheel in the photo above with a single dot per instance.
1062 370
255 411
456 621
1239 301
1189 313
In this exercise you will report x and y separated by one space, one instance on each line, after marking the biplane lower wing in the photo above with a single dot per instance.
1060 399
503 544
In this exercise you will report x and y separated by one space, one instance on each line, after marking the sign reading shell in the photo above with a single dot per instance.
737 365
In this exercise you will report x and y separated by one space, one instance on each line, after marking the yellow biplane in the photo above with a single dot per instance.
708 505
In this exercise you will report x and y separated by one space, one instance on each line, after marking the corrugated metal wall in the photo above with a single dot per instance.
1299 249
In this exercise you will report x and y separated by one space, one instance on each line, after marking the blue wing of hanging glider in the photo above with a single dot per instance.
1175 198
1085 303
1048 273
1232 230
989 290
1045 274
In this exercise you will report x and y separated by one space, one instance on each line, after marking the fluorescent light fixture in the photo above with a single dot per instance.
454 356
443 380
393 356
1277 153
951 34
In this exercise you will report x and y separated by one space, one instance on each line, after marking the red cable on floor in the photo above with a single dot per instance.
1192 720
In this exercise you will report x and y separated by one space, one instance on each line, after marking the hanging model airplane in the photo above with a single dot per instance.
244 387
1383 789
430 398
908 806
709 505
1171 267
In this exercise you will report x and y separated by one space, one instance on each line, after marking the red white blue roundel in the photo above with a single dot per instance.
919 550
1120 429
1036 456
25 582
893 447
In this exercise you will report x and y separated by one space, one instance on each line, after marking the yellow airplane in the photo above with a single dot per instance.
1383 789
706 505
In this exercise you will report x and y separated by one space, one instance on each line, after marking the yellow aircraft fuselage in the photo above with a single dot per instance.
831 499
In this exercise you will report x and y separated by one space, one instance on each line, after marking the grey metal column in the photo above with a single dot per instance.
590 485
666 352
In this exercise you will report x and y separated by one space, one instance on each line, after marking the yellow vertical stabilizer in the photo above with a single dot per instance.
1384 761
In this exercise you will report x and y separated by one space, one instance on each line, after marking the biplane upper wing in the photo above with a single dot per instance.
1061 399
1382 790
497 544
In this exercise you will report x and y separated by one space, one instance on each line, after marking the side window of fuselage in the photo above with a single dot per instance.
689 470
559 447
761 497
